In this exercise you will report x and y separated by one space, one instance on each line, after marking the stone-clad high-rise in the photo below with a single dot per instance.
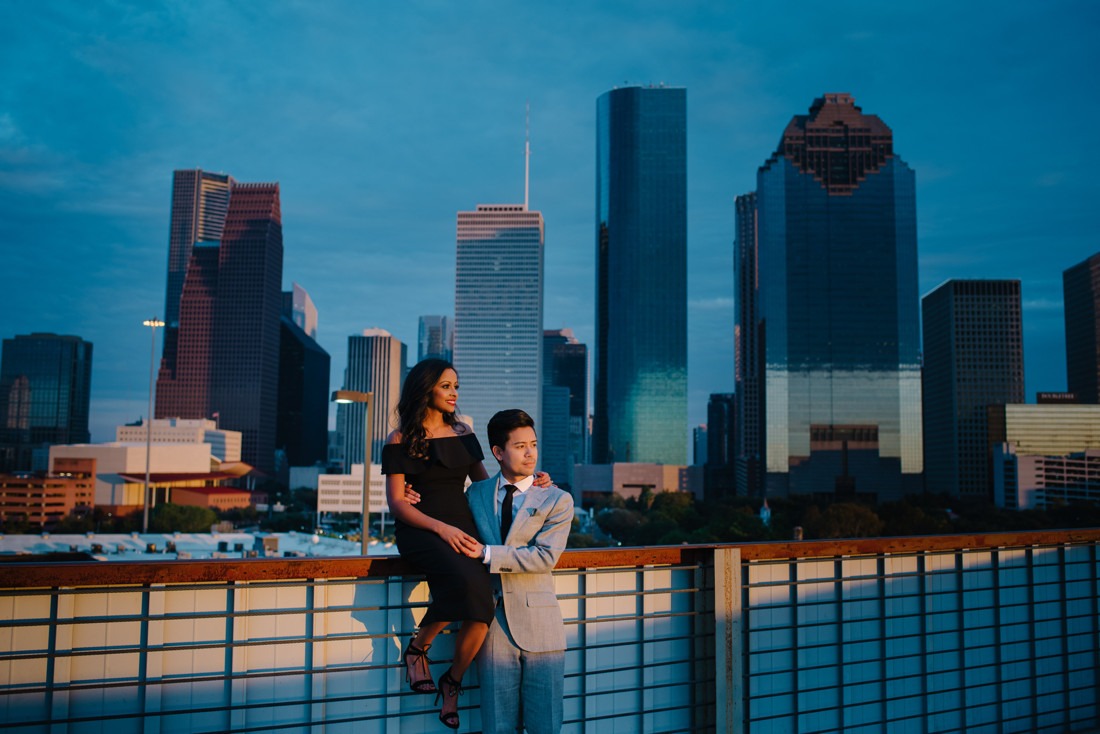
837 312
376 364
498 311
640 374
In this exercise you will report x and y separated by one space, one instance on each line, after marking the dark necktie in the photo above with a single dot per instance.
506 511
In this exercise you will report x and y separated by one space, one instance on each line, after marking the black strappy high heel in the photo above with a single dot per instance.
449 688
417 659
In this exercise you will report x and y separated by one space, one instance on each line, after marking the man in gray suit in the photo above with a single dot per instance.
521 666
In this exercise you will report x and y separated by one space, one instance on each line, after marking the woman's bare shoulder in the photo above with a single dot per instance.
394 437
462 429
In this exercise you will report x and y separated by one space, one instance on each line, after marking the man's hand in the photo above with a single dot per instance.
410 496
542 479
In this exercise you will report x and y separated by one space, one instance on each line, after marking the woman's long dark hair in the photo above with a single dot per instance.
413 405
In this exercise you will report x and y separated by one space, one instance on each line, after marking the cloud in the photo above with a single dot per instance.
715 303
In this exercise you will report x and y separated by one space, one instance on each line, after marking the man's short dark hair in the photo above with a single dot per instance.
503 423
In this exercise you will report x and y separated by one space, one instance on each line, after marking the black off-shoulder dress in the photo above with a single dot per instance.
459 585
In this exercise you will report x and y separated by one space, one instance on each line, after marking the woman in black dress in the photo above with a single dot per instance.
434 453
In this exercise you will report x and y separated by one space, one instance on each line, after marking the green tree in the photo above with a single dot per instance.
168 518
844 520
908 518
620 523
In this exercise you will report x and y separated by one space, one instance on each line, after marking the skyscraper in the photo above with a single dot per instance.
973 358
498 311
837 308
200 201
304 367
719 475
376 364
748 369
226 360
299 308
45 389
1081 293
640 382
435 339
563 434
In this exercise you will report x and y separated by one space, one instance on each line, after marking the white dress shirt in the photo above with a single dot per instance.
517 501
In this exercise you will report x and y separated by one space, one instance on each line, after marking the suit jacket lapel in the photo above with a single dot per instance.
532 500
487 506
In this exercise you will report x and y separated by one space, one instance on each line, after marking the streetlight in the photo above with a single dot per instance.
354 396
153 323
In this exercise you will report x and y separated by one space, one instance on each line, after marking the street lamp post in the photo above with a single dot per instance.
153 324
355 396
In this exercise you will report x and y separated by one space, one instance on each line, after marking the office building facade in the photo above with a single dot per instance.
200 202
226 360
299 308
435 339
565 365
838 309
1081 294
498 311
748 366
1044 454
376 364
304 367
719 473
640 373
973 358
45 392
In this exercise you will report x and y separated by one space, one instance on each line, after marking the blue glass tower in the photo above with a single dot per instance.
838 308
45 391
641 277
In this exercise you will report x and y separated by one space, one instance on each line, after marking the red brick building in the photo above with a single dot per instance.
45 500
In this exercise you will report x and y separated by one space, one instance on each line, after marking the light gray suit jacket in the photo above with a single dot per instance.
525 559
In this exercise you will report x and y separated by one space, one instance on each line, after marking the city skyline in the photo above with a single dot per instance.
373 167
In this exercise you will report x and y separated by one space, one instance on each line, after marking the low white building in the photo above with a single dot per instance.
118 465
344 492
225 445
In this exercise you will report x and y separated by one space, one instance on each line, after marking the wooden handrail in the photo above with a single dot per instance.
121 573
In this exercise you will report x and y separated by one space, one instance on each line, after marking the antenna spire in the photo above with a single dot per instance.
527 159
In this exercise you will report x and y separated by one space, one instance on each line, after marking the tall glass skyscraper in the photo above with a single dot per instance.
838 308
748 365
302 428
435 339
498 311
563 436
45 390
376 364
973 358
200 201
640 411
226 359
1081 295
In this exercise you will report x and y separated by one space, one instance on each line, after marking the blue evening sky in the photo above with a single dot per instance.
381 120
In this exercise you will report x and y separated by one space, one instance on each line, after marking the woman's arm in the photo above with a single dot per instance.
478 473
